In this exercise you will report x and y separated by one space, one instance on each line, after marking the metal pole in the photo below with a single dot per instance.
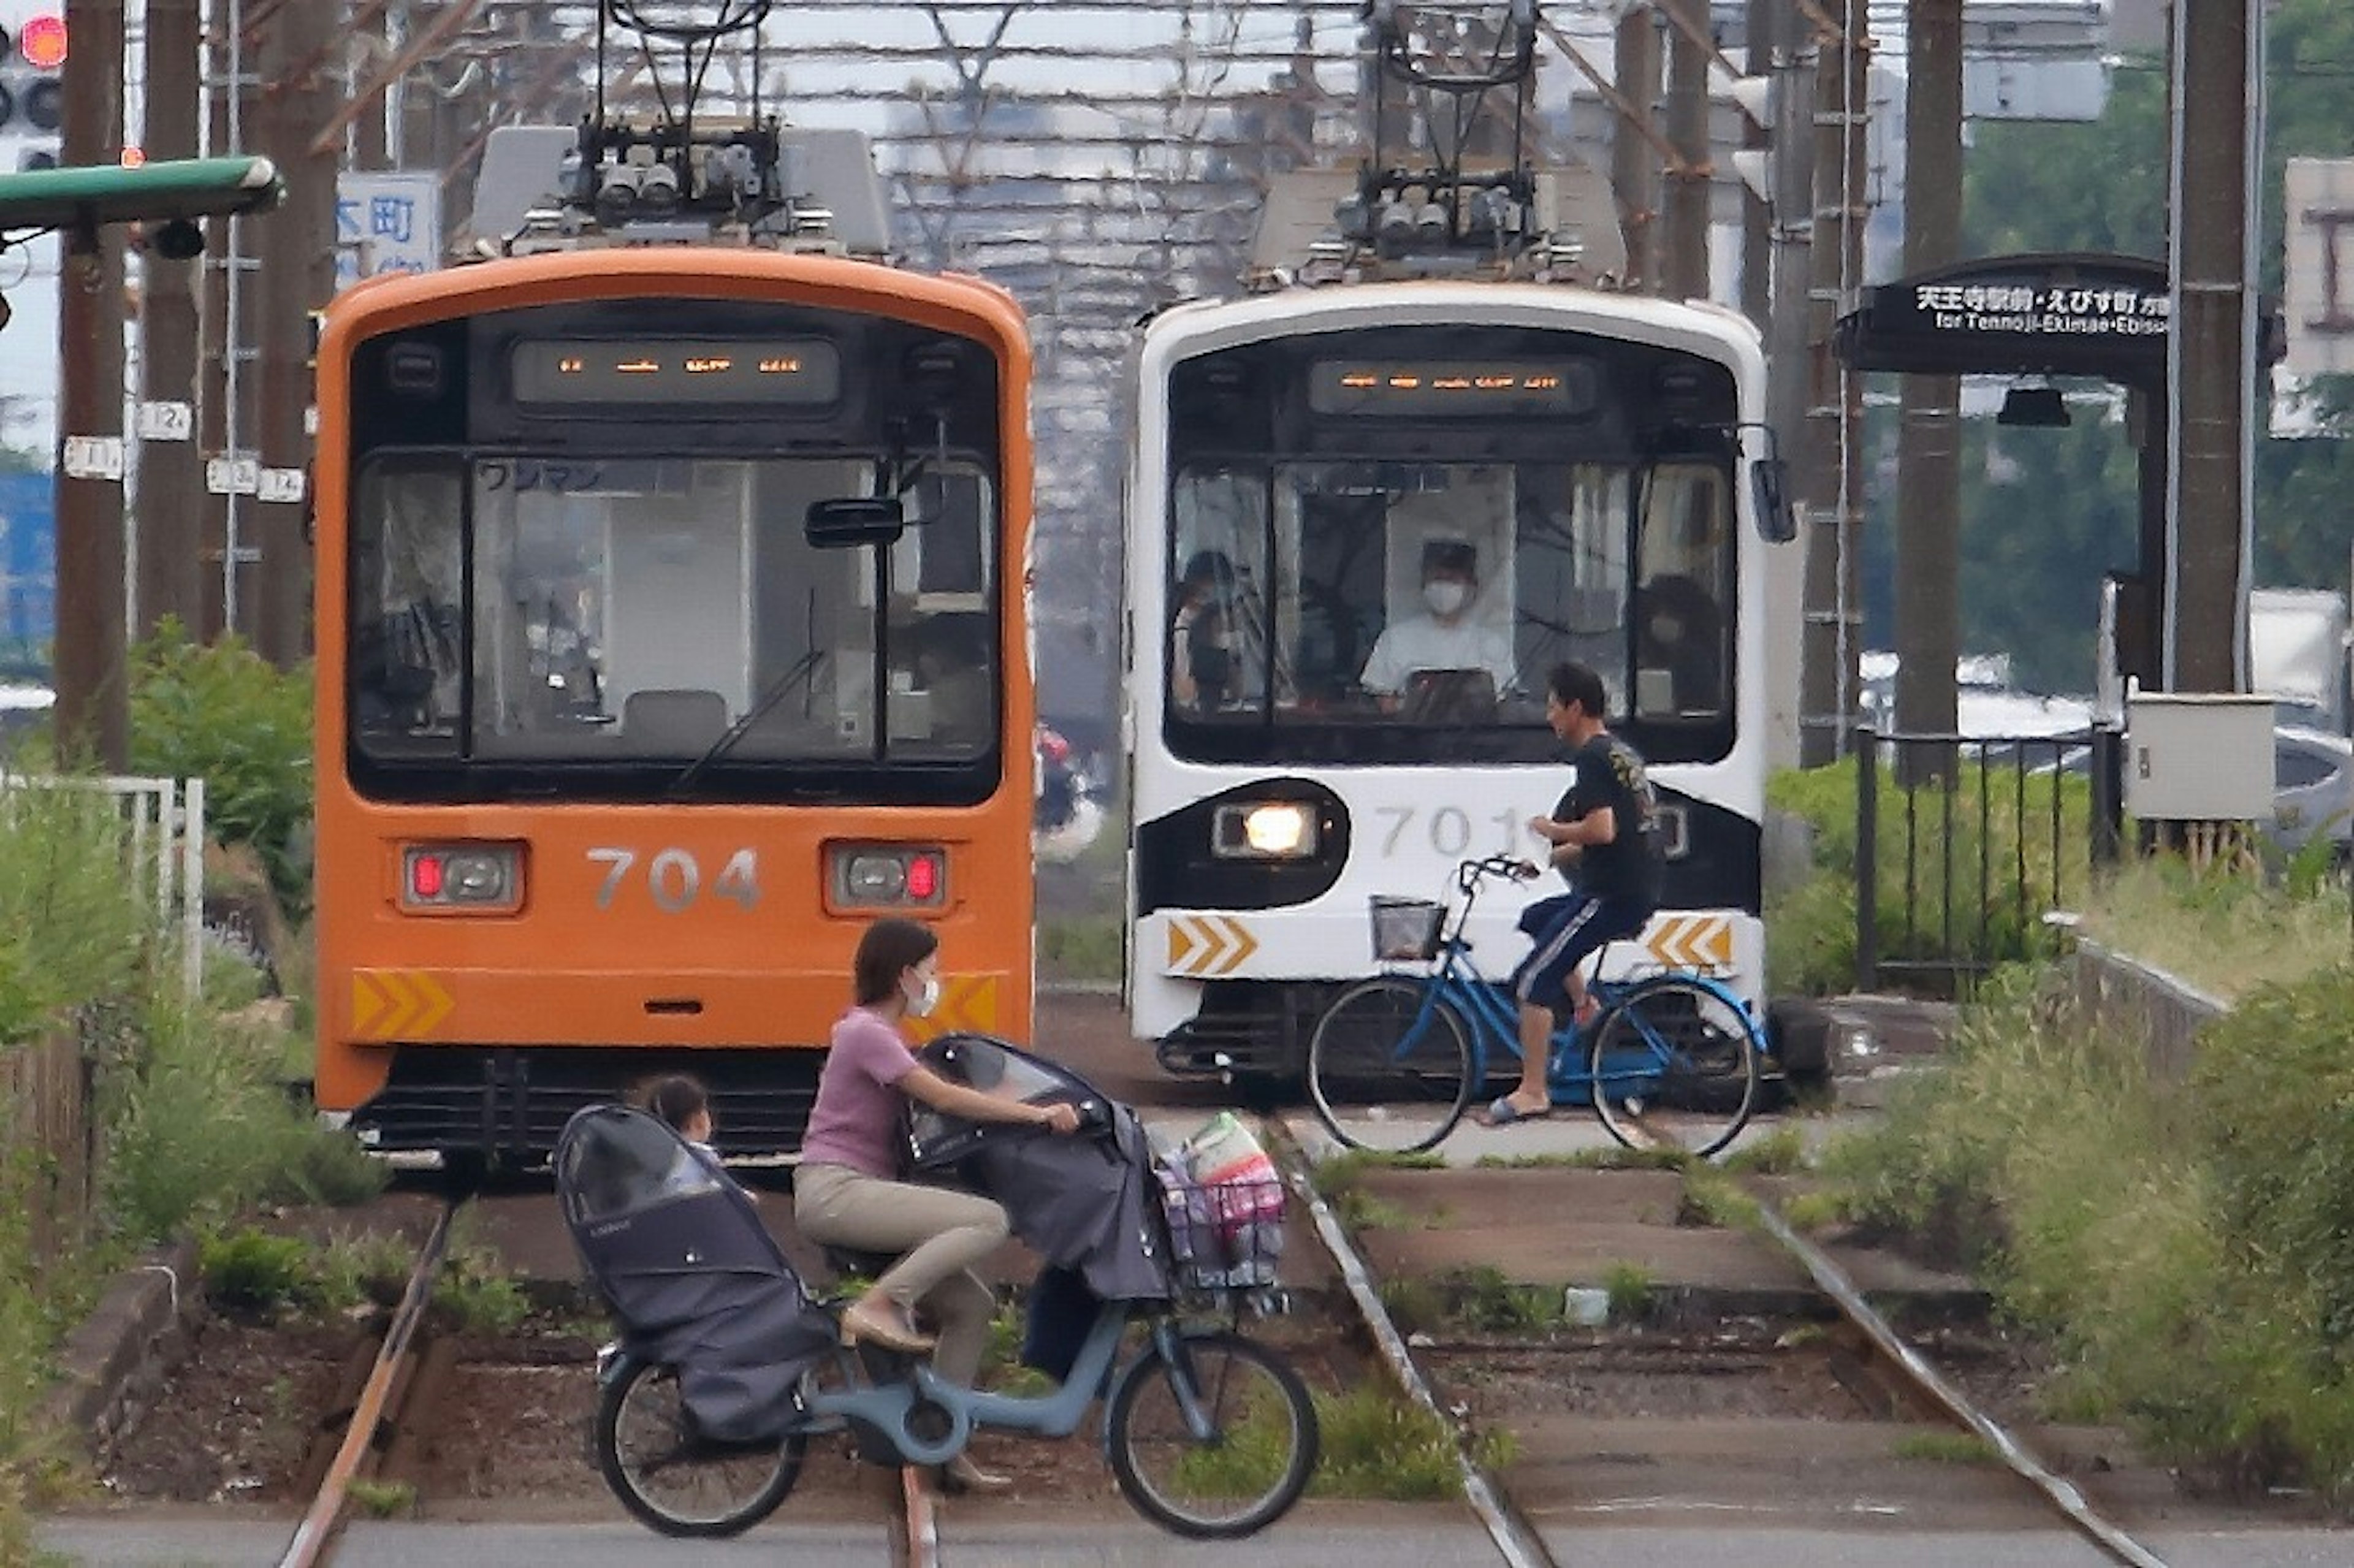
170 519
1761 25
297 252
92 700
1832 486
1786 368
1928 448
1633 173
1867 859
1683 260
2210 351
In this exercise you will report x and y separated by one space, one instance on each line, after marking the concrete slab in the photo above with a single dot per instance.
1560 1225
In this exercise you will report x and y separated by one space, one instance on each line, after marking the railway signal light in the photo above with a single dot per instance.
32 98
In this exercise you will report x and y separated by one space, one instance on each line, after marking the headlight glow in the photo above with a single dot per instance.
1265 830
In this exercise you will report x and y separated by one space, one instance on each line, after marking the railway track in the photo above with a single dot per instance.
376 1413
1896 1369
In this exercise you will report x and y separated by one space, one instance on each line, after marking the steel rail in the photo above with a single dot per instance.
2063 1495
1515 1540
317 1531
916 1529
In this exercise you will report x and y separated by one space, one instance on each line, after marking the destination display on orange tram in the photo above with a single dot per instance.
804 371
1427 388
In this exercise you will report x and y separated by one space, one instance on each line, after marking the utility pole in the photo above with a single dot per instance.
170 518
1761 30
1928 449
297 252
1683 261
1634 171
2217 118
1787 369
92 673
1831 490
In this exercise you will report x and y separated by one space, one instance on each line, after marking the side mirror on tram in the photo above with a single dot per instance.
851 522
1769 489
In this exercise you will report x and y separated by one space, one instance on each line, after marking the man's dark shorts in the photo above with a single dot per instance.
1566 928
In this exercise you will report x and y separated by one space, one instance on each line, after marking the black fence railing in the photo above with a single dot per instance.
1962 843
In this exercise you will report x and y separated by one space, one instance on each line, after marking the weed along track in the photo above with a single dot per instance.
1633 1347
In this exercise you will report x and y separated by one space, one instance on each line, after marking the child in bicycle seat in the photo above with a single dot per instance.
847 1194
685 1105
1603 837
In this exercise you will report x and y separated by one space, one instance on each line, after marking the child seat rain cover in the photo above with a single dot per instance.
682 1258
1090 1203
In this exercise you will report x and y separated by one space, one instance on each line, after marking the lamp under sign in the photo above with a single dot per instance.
2038 407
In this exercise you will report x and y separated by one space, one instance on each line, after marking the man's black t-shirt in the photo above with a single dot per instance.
1607 772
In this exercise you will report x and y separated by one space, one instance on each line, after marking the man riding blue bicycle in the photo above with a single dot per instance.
1604 839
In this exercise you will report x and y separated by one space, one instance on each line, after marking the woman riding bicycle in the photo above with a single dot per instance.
847 1193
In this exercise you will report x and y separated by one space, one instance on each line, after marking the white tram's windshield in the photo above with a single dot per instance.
1424 602
511 608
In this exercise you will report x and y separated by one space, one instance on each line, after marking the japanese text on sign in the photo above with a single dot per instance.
386 223
2111 311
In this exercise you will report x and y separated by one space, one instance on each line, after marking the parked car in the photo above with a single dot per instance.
2313 789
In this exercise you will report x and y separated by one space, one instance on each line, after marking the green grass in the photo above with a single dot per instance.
1479 1300
2186 1250
1630 1287
1377 1445
1610 1158
1946 1448
383 1500
2225 933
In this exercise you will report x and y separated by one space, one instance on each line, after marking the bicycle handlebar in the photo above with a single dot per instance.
1472 872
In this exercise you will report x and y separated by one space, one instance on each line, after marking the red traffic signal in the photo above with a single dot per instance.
42 42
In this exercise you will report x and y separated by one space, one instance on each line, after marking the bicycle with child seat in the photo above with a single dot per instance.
1208 1433
1670 1060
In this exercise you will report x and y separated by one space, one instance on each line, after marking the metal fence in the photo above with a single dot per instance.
1964 843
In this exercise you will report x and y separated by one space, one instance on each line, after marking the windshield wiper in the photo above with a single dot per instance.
802 669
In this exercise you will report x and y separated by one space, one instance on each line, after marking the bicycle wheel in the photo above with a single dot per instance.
673 1479
1261 1447
1386 1071
1674 1063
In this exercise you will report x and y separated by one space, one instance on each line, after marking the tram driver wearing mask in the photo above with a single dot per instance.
1446 644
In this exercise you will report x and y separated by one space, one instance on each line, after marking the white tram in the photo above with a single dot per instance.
1307 724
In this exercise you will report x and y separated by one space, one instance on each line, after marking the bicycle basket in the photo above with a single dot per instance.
1406 928
1223 1236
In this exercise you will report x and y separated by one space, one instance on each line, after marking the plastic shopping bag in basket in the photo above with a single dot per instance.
1225 1205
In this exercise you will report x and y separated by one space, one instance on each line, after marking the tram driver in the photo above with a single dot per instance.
1449 634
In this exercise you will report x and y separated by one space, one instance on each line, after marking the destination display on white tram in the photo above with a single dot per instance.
1443 388
798 371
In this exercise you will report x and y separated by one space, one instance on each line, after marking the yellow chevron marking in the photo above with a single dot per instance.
402 1005
1203 947
1181 943
1690 941
366 1002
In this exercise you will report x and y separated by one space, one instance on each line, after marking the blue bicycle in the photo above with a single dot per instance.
1671 1061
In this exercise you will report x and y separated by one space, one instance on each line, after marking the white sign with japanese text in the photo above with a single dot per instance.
387 223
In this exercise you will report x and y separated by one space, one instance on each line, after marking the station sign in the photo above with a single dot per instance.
387 222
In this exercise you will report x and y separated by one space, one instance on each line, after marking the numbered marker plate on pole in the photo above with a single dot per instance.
233 476
93 457
281 484
166 421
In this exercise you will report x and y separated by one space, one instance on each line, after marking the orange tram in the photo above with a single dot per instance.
672 626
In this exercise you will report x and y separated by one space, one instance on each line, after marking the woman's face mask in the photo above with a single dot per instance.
1445 595
925 996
